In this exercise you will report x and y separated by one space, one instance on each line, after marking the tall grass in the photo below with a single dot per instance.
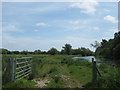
23 83
53 67
110 78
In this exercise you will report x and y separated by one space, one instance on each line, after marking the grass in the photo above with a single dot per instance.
22 83
62 71
110 78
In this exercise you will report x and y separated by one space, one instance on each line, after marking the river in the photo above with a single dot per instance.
98 60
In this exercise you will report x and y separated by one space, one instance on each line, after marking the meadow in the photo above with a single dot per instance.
60 71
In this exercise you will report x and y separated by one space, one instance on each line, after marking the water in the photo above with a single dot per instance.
98 60
88 58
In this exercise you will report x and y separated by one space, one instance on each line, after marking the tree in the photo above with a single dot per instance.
15 52
96 44
24 52
111 48
62 52
117 35
53 51
4 51
37 52
67 49
43 52
103 42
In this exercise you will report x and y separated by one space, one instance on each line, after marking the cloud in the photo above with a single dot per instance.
41 24
86 7
35 30
110 19
11 28
75 22
106 10
95 28
76 28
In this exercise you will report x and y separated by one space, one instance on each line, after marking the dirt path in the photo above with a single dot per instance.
41 82
69 82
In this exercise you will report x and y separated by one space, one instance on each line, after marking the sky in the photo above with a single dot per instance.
44 25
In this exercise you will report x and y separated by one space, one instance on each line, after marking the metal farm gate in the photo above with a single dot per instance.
20 67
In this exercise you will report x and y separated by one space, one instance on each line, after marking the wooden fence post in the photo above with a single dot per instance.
12 69
94 72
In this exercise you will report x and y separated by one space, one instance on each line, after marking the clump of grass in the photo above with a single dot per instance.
56 79
110 78
52 70
23 83
57 82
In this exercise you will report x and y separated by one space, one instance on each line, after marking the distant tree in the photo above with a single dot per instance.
117 35
110 49
31 52
4 51
83 51
43 52
76 51
24 52
62 52
67 49
103 42
96 44
37 52
53 51
15 52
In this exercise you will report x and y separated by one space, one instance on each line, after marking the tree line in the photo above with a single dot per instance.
108 48
66 50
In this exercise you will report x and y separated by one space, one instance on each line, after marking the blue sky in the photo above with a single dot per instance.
43 25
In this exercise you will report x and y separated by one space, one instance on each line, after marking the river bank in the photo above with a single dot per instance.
99 60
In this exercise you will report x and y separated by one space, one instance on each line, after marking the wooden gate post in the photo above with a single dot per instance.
94 72
12 69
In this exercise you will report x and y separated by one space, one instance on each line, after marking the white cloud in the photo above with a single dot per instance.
106 10
95 28
86 7
110 19
76 28
11 28
41 24
75 22
35 30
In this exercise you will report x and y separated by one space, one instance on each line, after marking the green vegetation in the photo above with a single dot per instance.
62 72
22 83
110 78
58 69
67 50
53 51
109 49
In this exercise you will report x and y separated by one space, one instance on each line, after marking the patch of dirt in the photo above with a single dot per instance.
69 82
41 82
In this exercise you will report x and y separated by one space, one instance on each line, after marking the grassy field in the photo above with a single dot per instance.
58 71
